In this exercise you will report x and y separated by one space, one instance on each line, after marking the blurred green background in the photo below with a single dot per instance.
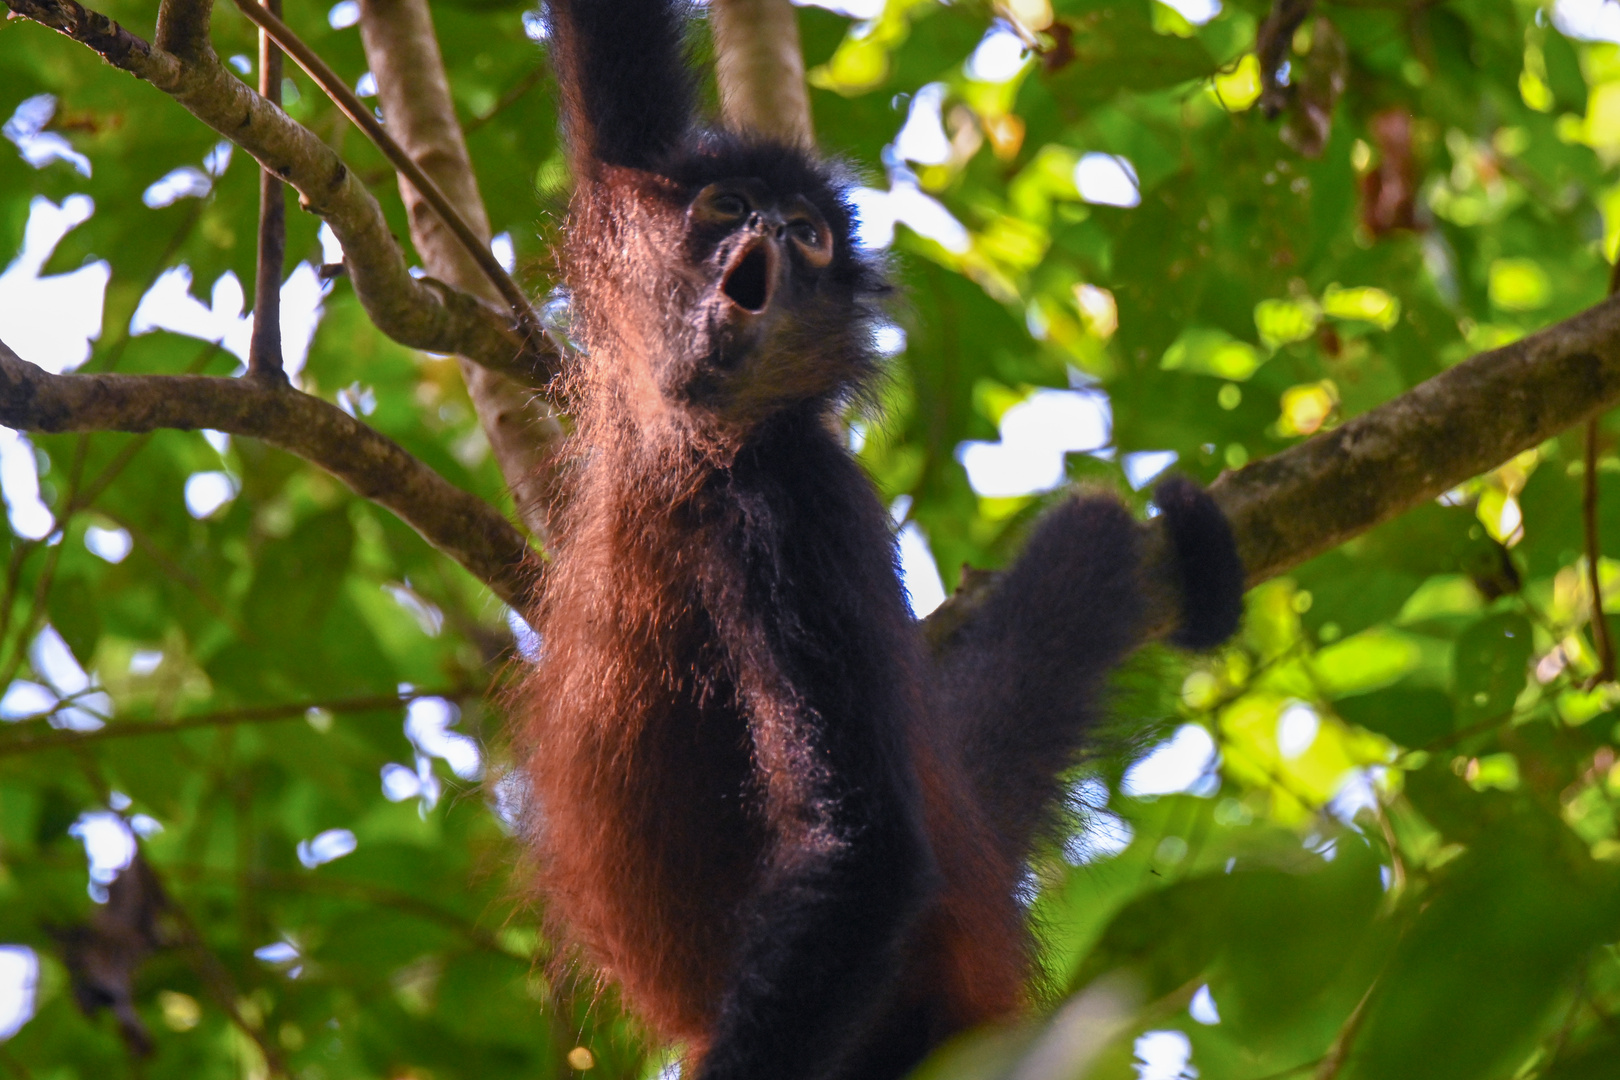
1374 837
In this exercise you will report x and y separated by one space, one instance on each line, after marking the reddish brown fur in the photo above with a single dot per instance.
791 838
635 721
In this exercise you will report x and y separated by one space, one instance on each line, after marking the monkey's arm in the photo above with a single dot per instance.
1024 680
627 95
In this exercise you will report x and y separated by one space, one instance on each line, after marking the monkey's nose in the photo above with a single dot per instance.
751 276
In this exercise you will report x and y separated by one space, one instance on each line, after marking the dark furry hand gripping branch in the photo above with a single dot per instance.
791 842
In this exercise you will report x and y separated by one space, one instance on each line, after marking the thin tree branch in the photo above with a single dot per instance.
345 99
760 68
402 50
259 714
1295 505
1594 557
528 82
459 524
216 979
425 314
264 349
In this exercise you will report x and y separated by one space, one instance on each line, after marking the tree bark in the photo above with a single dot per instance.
459 524
524 432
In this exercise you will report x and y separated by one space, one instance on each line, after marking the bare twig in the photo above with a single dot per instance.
1338 1053
514 93
459 524
1271 45
259 714
1601 638
425 314
217 981
264 350
361 117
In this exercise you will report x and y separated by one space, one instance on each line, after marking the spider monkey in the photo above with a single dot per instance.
791 837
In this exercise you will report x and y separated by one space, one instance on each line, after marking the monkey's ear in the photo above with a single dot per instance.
626 89
1208 568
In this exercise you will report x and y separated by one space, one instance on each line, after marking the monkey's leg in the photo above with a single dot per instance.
819 951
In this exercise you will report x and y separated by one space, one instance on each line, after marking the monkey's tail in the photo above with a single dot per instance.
1024 680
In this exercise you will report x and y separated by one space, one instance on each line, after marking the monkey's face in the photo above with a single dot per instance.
770 321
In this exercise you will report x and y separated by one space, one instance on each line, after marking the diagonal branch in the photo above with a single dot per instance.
1310 498
402 50
457 523
424 314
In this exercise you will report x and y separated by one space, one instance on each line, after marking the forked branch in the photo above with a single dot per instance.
346 100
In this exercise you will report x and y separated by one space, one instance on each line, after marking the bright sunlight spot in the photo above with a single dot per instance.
343 15
19 482
918 571
1107 180
50 321
19 976
1164 1055
1035 435
329 845
38 147
1296 730
854 9
1202 1007
1588 20
206 492
1183 763
1197 12
877 212
1000 56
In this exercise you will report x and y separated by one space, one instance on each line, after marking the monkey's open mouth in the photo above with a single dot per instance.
748 282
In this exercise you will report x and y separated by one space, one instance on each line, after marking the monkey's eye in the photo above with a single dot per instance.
719 205
813 241
731 206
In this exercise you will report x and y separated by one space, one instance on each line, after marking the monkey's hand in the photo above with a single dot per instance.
1209 573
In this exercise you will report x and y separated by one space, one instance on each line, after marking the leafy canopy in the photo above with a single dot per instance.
1405 860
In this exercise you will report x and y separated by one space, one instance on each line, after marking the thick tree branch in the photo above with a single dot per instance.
459 524
1310 498
524 433
1297 504
425 314
760 68
182 27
